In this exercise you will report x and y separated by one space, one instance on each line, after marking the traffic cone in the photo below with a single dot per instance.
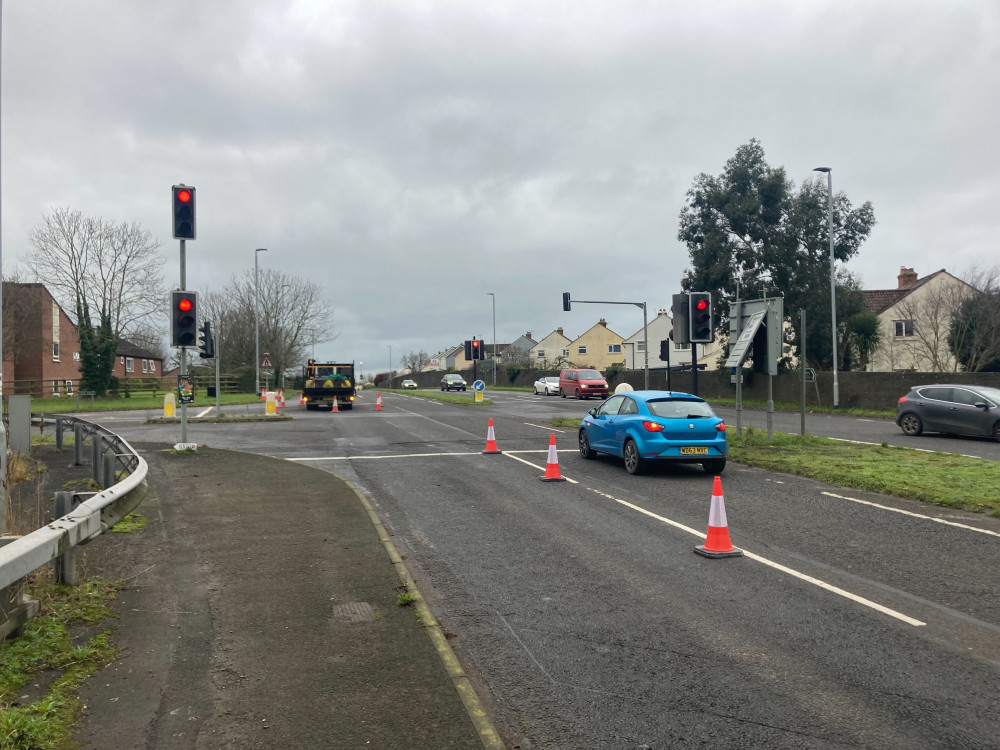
491 441
717 543
263 394
552 464
378 402
335 407
281 397
302 398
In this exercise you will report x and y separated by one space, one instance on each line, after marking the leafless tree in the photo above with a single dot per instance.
975 330
415 361
113 266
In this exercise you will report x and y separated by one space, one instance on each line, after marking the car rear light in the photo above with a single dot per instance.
721 427
902 399
652 426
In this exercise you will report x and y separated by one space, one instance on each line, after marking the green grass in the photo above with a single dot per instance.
67 405
445 396
46 723
939 478
131 522
406 599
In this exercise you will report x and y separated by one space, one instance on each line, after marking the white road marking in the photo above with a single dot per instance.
305 459
914 515
543 427
907 447
540 468
203 412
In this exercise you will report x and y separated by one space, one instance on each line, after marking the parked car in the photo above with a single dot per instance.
951 408
643 426
453 381
547 386
409 385
582 384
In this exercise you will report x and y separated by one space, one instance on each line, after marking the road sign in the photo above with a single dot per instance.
265 363
479 385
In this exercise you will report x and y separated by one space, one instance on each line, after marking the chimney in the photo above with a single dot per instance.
528 335
660 312
907 278
603 322
559 330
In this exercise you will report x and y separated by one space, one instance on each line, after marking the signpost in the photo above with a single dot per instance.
267 367
759 322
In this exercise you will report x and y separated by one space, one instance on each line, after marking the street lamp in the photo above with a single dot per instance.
833 284
390 364
494 336
256 319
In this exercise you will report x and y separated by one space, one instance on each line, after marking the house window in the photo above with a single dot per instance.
903 328
76 356
581 350
145 365
69 387
55 388
614 348
640 346
55 332
121 360
152 365
682 346
565 352
129 364
541 354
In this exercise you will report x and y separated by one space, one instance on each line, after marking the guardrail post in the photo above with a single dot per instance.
109 469
77 444
65 564
95 444
59 434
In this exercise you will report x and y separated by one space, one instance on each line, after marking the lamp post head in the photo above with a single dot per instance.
822 169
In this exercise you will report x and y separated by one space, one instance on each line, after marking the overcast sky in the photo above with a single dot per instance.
412 156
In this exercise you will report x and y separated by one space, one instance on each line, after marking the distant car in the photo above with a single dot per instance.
548 386
582 384
409 385
644 426
452 381
956 409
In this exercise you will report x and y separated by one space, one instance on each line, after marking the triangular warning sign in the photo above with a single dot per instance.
266 363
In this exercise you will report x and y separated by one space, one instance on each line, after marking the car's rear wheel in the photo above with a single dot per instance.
585 450
563 395
634 464
578 396
910 424
715 466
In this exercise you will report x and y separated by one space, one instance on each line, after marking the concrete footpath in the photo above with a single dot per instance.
261 611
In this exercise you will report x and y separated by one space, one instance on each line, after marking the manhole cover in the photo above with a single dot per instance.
354 612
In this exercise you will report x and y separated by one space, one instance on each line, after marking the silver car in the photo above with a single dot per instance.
547 386
956 408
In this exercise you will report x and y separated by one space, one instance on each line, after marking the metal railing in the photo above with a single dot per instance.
89 513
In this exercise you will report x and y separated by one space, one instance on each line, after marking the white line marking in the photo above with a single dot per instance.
540 468
802 576
914 515
203 412
544 427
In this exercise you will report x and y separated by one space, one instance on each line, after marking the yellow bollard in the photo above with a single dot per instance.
270 409
168 405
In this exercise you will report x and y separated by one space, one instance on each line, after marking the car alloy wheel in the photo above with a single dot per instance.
585 450
633 461
911 424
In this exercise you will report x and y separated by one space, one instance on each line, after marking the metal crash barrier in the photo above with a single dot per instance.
83 516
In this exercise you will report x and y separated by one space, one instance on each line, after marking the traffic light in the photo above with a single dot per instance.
665 350
477 349
184 212
206 342
468 349
681 313
183 319
566 301
702 318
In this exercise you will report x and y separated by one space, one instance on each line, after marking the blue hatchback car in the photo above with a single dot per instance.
642 426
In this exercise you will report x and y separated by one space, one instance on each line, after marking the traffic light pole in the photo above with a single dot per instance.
184 406
645 337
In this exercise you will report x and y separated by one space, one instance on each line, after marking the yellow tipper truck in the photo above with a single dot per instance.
325 381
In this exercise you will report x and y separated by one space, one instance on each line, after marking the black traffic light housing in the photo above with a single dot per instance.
681 313
566 301
183 319
665 350
702 318
477 348
183 204
206 342
468 349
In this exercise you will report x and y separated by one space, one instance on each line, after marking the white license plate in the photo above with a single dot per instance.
693 451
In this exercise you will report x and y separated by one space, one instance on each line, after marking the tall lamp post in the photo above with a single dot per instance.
494 336
390 364
256 318
833 283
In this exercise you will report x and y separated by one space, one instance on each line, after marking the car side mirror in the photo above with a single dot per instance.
593 411
982 405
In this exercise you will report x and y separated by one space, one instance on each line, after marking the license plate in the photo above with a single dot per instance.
693 451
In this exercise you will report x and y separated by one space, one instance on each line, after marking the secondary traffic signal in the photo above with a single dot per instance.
206 342
184 212
681 313
665 350
468 349
477 349
702 318
566 301
183 319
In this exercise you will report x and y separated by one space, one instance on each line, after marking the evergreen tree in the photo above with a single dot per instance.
98 348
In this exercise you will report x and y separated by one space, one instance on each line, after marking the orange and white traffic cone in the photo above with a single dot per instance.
378 402
281 397
717 542
335 407
552 464
263 394
302 398
491 441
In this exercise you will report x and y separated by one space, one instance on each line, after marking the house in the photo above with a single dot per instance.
599 347
658 329
915 320
135 362
517 350
552 352
41 354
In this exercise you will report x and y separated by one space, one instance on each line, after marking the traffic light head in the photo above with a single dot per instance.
665 350
681 311
468 349
183 319
566 301
702 318
477 349
206 342
183 204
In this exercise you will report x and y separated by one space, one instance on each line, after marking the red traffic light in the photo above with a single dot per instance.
701 304
475 343
184 196
184 304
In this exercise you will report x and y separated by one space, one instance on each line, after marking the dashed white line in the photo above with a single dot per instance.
914 515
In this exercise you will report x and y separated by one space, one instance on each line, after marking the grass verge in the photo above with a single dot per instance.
45 653
143 401
444 396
